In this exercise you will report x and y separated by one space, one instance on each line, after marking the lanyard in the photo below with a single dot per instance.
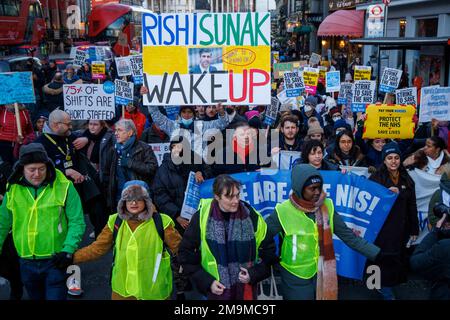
67 153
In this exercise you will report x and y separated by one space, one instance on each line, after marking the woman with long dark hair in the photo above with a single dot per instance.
346 152
401 225
312 153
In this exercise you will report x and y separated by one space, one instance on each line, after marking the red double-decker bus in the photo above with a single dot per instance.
21 22
117 23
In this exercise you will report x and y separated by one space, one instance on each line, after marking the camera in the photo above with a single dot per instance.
440 209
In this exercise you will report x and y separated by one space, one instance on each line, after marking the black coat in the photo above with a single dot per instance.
431 259
53 101
401 223
150 136
169 186
259 157
142 166
189 255
90 187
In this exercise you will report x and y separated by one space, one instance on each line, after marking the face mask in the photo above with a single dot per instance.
187 122
336 118
307 108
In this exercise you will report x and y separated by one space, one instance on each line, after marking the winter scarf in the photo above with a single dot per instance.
433 165
327 285
94 148
123 152
231 238
243 152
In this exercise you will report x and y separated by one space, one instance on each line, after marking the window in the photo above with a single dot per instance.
402 28
38 10
10 8
427 27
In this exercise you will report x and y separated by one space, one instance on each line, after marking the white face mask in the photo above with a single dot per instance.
307 108
336 118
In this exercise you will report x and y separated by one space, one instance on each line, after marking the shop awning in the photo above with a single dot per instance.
348 23
402 42
303 29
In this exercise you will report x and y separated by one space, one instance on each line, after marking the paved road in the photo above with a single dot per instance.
95 283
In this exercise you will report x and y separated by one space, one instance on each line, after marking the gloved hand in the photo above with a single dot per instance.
62 260
387 258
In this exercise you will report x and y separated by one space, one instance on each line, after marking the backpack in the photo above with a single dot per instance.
158 223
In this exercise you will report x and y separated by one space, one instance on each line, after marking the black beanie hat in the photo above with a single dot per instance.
33 153
391 147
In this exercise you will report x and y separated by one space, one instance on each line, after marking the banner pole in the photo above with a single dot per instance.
19 126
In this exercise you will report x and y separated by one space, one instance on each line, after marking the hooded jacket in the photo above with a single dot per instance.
300 174
73 207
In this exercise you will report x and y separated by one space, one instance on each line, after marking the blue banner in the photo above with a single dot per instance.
362 204
16 87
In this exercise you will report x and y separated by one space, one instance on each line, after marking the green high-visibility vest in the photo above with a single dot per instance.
39 225
300 249
141 265
209 262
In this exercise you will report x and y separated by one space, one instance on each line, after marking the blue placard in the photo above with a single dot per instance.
123 101
293 93
386 88
333 81
92 54
342 100
16 87
172 111
138 79
358 107
362 204
269 121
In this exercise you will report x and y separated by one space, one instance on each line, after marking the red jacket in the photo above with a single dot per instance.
139 120
8 126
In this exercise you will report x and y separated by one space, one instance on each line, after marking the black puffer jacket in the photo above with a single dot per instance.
169 186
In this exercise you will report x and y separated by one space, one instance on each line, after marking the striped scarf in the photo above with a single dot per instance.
232 242
327 285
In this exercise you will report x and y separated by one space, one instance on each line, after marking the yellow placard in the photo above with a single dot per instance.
276 57
98 70
389 122
362 73
325 63
310 78
322 72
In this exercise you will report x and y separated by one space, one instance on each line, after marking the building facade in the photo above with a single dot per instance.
418 32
